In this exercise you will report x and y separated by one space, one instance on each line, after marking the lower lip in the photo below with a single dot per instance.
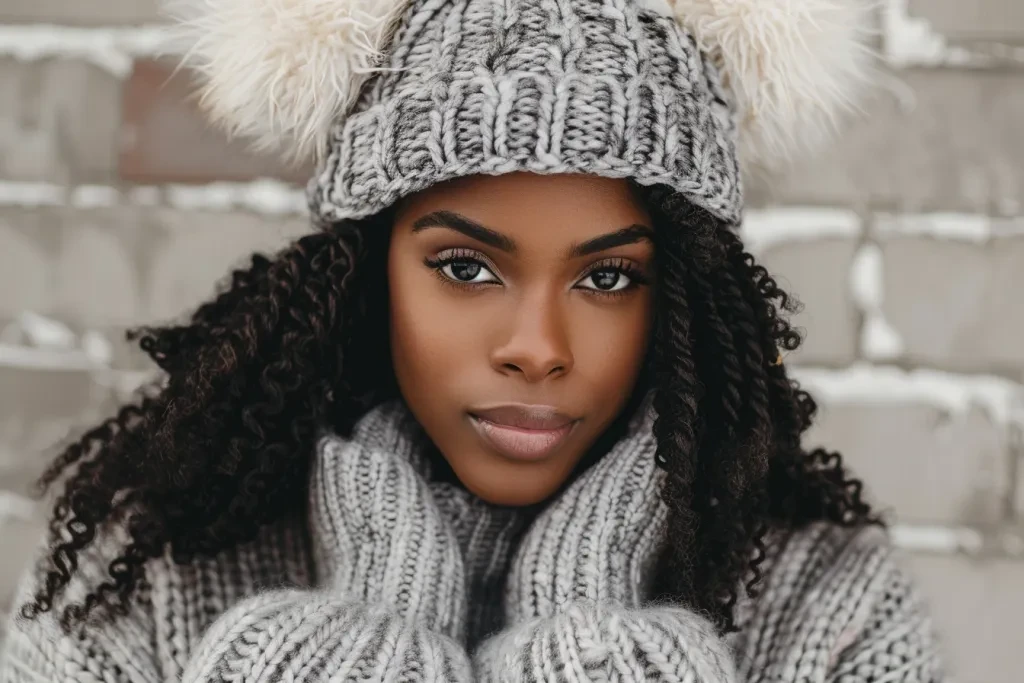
521 444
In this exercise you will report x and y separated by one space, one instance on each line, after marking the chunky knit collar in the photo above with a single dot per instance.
832 604
488 534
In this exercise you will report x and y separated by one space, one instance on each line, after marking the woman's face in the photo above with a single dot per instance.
520 309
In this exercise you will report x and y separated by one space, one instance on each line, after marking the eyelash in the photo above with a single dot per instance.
620 265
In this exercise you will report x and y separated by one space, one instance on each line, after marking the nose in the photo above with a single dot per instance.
538 342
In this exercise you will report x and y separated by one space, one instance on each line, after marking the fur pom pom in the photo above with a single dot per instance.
792 65
281 71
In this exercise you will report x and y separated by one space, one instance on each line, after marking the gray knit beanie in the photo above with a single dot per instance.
392 96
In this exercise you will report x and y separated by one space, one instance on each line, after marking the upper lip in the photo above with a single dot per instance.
524 416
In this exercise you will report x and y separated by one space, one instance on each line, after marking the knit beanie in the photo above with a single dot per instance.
392 96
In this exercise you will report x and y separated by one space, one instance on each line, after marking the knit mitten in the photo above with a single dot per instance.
598 540
390 601
579 578
378 533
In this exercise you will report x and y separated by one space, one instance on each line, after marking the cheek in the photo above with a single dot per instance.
610 344
429 343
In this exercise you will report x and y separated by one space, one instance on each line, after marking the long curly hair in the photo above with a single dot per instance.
221 445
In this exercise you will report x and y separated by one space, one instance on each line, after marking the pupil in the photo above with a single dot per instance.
465 268
606 279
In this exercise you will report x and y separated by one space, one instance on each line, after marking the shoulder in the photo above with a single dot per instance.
799 565
38 649
186 598
166 618
796 559
833 599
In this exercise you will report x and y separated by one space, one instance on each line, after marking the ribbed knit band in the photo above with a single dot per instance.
378 537
603 87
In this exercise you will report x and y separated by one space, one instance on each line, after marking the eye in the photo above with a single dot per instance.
467 270
460 269
608 280
614 277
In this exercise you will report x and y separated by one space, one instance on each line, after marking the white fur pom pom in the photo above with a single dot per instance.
792 65
281 71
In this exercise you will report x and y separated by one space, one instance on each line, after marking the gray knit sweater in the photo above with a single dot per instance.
398 576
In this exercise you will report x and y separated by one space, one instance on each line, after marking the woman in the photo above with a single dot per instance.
517 410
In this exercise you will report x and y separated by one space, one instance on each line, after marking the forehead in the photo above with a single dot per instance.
525 206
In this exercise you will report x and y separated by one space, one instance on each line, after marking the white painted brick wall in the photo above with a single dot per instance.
97 13
970 322
830 317
58 121
978 602
905 245
993 19
937 140
121 265
930 465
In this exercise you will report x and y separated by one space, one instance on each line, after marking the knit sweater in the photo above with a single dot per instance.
396 576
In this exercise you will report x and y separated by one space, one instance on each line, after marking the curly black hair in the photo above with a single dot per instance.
221 444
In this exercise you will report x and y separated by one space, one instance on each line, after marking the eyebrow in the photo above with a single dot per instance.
467 226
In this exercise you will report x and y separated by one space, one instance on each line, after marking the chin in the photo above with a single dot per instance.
500 493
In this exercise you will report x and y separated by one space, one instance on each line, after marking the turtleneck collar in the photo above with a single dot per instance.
488 534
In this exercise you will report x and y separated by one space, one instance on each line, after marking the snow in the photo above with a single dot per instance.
1000 398
913 41
97 347
33 195
767 227
93 196
937 539
879 340
947 226
30 195
14 506
264 196
112 49
36 342
46 333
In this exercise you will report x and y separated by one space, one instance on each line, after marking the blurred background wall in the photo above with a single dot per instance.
906 245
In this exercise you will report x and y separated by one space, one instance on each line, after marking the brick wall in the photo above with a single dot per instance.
906 245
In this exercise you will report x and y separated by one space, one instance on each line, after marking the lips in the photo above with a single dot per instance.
524 416
522 432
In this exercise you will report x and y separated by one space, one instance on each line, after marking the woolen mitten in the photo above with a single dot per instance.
378 533
599 539
574 599
390 600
